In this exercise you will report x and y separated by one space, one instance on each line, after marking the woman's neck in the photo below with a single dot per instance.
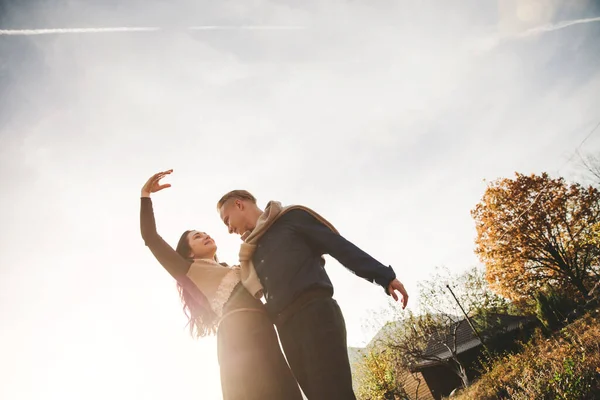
206 258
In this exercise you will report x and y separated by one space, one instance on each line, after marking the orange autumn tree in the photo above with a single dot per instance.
534 231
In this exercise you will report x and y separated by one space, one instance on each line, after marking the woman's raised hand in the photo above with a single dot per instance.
153 184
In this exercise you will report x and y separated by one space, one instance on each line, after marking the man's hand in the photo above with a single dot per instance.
397 285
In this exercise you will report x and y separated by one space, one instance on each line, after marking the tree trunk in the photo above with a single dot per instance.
462 373
463 376
578 283
417 390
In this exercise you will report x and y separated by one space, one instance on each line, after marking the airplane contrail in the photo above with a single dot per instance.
557 26
245 27
491 42
30 32
27 32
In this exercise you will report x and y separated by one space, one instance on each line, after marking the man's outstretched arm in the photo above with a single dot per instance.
348 254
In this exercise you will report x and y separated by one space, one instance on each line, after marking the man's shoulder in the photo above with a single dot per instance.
286 221
295 212
291 215
302 215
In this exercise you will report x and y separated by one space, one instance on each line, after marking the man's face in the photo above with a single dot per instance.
234 216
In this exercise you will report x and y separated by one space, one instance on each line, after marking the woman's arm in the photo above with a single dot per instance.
176 265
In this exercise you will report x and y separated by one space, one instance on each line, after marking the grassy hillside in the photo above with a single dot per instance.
564 366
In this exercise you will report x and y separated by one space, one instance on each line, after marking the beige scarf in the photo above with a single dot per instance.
272 212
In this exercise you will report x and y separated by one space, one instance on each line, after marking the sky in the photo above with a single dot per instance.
387 117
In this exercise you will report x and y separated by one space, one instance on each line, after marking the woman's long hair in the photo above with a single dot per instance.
202 320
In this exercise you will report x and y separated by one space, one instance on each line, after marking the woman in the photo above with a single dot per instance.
250 359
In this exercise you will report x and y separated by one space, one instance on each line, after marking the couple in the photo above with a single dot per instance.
280 259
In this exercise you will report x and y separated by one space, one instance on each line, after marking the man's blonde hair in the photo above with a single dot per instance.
238 195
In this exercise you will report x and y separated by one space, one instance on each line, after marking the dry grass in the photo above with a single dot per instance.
565 366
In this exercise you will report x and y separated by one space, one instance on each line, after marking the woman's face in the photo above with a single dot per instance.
201 245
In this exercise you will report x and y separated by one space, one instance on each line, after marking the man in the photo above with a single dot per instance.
281 257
